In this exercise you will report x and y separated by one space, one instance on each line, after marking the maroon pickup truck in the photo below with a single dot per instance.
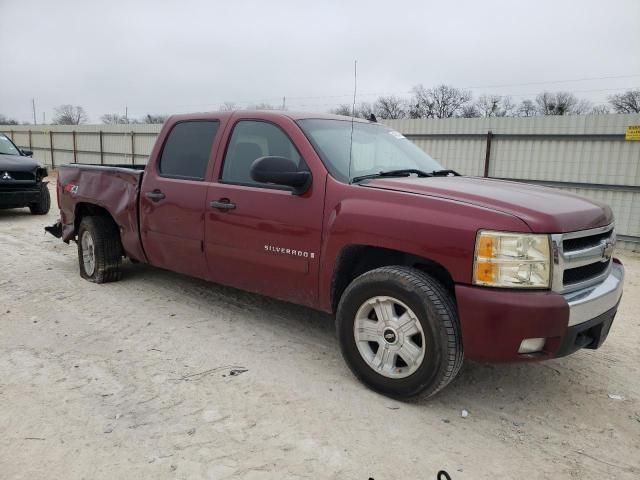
420 265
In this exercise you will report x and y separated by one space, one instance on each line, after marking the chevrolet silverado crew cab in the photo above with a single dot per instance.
22 179
421 266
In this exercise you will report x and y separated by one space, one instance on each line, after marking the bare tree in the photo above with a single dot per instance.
114 118
154 119
390 107
495 106
583 107
527 109
343 109
69 115
261 106
509 108
561 103
443 101
364 110
600 110
627 102
229 106
469 111
4 120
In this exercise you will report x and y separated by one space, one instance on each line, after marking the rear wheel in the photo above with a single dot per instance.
99 250
399 333
41 207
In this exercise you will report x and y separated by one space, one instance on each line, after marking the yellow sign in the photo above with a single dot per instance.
632 132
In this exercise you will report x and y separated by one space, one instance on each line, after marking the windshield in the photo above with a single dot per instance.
375 149
7 147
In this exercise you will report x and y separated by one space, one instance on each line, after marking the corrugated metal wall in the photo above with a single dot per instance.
586 155
118 142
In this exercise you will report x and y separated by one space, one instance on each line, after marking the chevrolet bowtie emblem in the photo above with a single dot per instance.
607 250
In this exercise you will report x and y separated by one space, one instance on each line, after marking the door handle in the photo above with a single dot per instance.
155 196
222 204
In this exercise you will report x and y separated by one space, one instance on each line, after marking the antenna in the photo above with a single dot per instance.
353 112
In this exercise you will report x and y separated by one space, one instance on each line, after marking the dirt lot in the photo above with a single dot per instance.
163 376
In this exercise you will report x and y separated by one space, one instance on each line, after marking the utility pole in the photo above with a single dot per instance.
126 114
44 121
33 104
284 103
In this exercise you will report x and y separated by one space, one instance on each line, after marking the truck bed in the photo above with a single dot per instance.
114 188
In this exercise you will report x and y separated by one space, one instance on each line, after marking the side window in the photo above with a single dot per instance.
253 139
187 149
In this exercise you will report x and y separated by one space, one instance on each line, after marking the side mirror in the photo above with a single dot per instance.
280 171
27 153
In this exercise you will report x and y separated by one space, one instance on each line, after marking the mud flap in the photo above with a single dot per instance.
55 229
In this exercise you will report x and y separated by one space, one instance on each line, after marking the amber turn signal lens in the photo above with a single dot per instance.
485 246
486 271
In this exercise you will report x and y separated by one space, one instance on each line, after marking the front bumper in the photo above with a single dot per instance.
21 197
495 322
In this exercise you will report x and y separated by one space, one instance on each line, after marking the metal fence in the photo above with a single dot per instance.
586 155
95 144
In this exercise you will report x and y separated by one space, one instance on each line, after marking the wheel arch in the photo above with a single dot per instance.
85 209
354 260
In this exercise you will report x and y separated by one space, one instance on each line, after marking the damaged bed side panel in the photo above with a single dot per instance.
82 188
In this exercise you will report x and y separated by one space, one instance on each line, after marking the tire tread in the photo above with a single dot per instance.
44 203
108 249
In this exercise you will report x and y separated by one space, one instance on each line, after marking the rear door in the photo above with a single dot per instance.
262 237
173 195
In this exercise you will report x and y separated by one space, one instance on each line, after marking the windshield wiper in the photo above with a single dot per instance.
405 172
444 173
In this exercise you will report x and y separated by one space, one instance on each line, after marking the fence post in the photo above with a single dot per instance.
53 164
75 152
487 155
101 151
133 147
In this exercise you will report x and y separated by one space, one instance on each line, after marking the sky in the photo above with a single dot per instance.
165 57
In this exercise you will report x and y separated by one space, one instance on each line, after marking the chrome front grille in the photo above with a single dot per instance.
582 259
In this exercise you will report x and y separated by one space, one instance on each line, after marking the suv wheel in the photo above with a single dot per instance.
399 333
44 202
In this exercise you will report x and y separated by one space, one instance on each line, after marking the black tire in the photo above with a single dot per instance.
107 249
436 312
43 204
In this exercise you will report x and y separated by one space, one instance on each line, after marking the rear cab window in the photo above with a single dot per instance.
187 149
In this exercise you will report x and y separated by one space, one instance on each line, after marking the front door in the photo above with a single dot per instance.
172 199
260 237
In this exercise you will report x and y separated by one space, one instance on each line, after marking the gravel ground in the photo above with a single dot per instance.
163 376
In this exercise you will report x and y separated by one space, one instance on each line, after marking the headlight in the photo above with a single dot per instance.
512 260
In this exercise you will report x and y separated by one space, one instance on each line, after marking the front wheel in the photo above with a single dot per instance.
399 332
41 207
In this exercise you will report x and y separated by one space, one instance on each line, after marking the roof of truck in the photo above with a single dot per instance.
265 114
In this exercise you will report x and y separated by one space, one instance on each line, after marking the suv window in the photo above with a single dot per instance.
253 139
187 149
7 147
